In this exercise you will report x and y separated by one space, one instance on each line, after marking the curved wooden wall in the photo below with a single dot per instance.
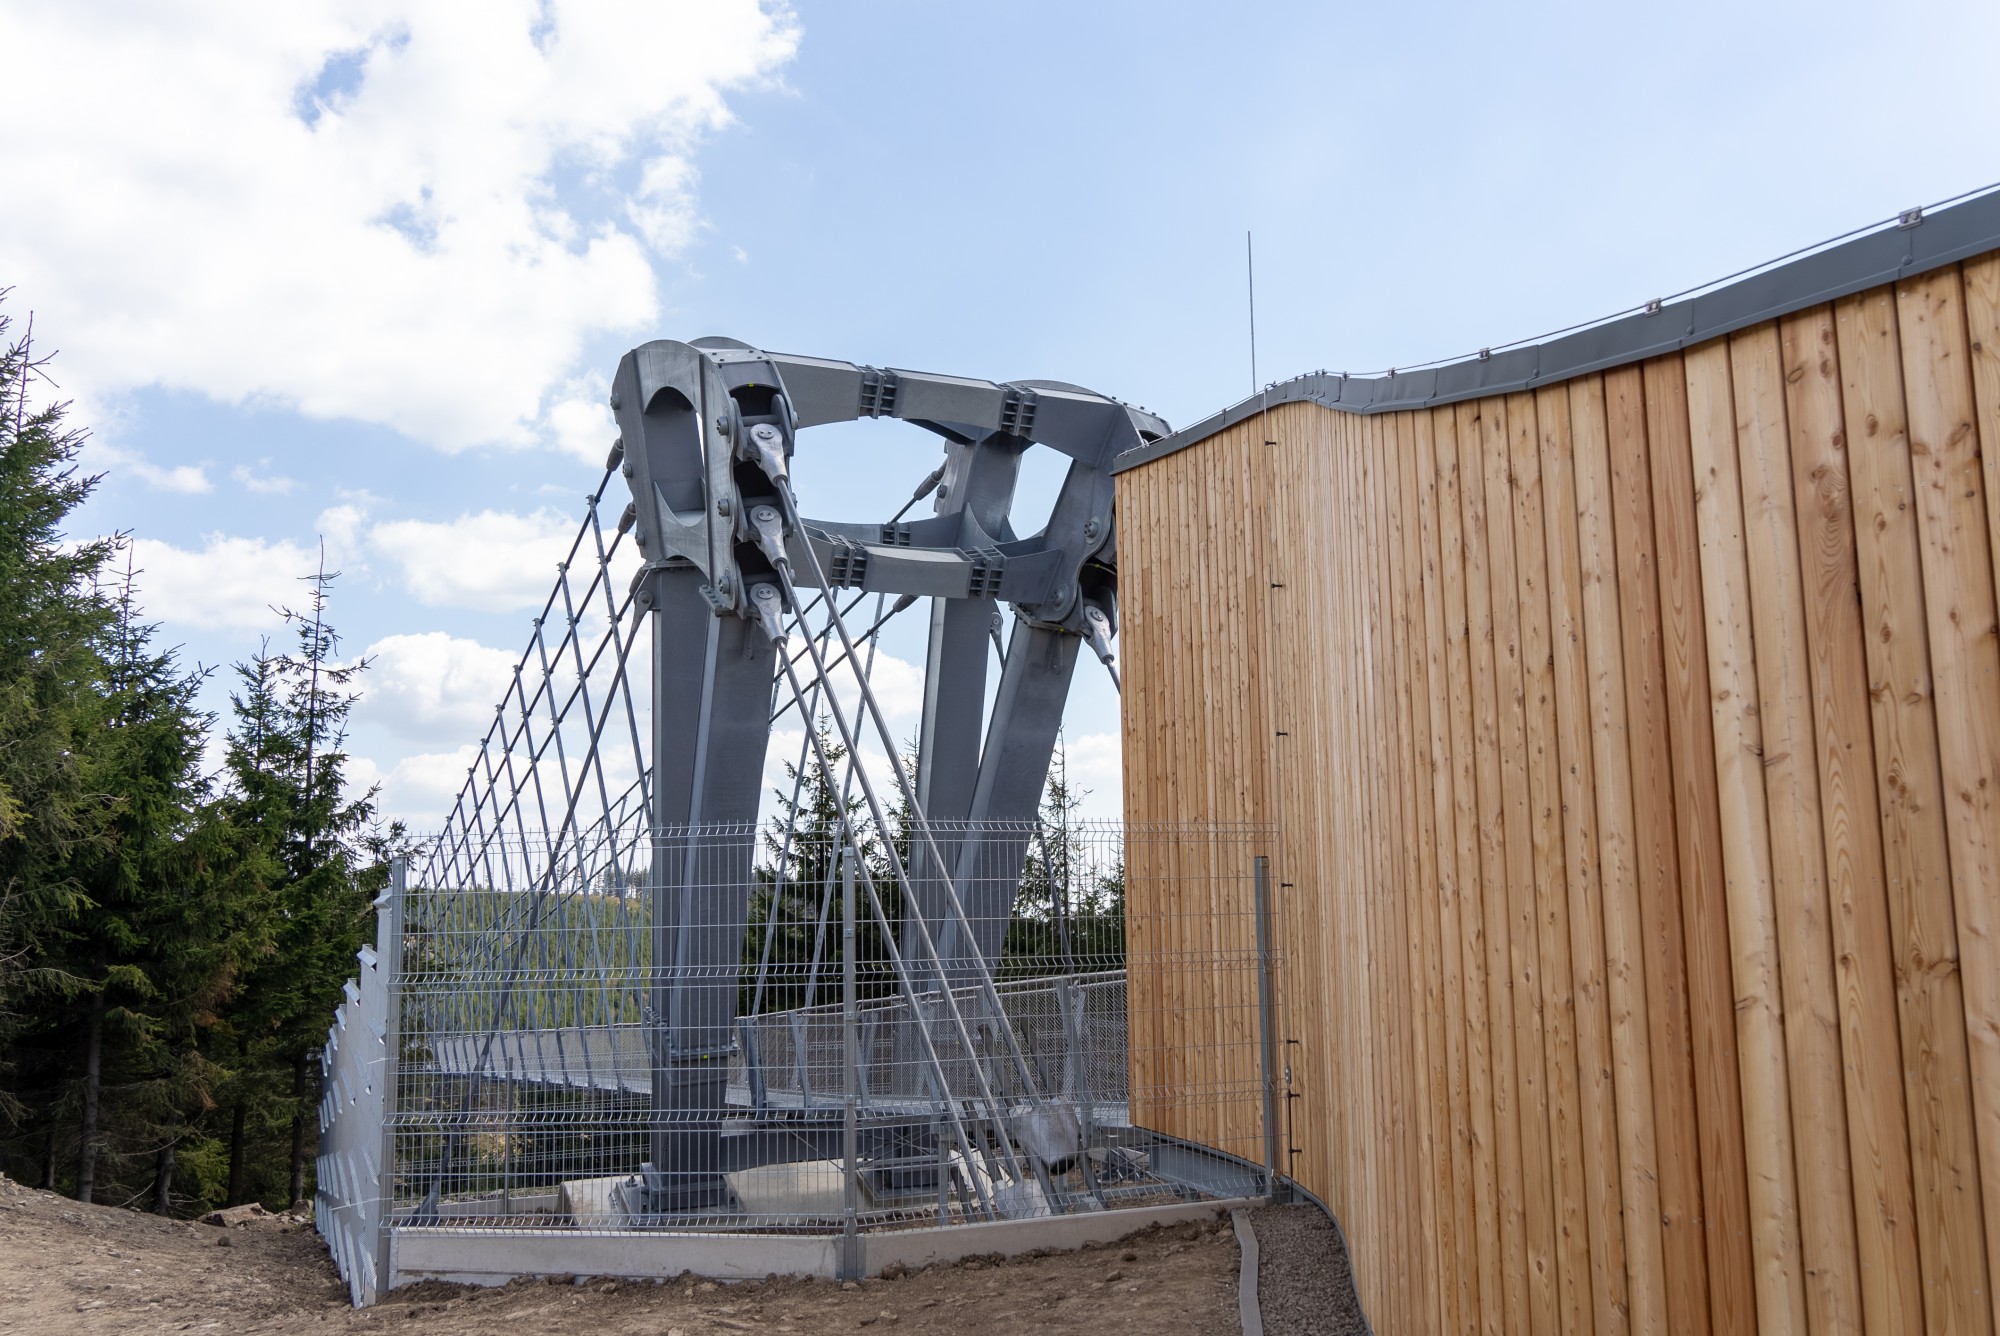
1633 748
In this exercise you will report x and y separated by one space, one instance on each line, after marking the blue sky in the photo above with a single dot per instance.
360 271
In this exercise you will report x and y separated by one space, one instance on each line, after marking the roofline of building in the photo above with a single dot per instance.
1897 250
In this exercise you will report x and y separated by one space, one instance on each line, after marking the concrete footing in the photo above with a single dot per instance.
494 1257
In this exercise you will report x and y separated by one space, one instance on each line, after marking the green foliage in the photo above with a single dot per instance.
51 685
1069 916
797 908
172 943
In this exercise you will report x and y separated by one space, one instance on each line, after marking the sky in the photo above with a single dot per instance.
357 274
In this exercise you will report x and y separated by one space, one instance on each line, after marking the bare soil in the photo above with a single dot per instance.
70 1268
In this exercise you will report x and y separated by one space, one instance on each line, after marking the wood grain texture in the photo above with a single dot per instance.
1627 749
1630 413
1704 914
1884 1205
1479 1027
1427 963
1937 1077
1602 1201
1811 1004
1524 974
1618 858
1965 667
1746 849
1464 1272
1572 1235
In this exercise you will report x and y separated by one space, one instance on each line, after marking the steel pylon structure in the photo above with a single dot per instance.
739 607
615 1008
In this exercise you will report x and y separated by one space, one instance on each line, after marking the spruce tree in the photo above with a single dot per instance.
171 916
1068 915
800 884
286 766
51 699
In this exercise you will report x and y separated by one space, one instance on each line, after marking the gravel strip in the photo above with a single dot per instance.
1304 1285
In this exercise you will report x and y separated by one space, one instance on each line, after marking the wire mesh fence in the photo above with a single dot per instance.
827 1028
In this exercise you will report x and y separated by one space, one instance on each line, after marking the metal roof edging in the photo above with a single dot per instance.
1871 260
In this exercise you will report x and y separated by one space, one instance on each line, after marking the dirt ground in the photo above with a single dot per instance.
69 1268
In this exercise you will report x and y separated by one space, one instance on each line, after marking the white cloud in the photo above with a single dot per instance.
578 420
350 207
494 561
264 485
663 207
341 527
432 686
1096 762
227 582
417 790
187 479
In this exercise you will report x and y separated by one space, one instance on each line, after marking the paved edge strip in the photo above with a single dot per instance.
1247 1310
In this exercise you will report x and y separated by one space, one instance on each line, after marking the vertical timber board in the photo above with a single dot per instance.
1492 820
1798 869
1413 1212
1745 840
1982 321
1354 895
1983 343
1878 1133
1725 1220
1600 531
1524 976
1328 741
1572 1234
1441 1253
1704 1158
1140 662
1340 835
1325 740
1462 1221
1965 665
1479 1029
1979 932
1284 446
1185 746
1951 1238
1410 1212
1385 1035
1602 1205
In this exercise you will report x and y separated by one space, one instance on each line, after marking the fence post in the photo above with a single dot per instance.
389 965
1268 1039
850 1241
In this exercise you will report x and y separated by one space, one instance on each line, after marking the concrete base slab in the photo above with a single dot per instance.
494 1257
808 1187
592 1203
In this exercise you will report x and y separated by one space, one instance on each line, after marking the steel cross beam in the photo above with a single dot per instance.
707 430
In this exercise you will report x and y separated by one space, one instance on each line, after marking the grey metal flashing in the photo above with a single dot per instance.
1893 251
1249 1314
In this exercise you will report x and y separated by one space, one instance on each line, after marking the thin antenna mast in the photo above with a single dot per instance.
1250 268
1256 386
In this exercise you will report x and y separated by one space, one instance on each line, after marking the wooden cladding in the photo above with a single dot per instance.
1633 751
